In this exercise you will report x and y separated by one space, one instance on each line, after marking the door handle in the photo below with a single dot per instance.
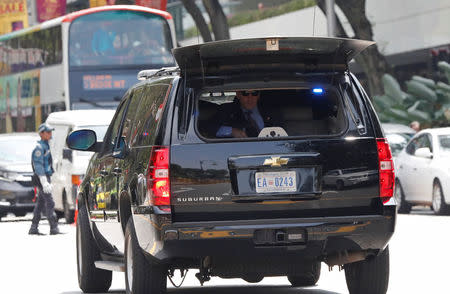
103 172
414 168
117 171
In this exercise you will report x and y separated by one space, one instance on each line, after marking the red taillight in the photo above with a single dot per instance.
158 185
386 170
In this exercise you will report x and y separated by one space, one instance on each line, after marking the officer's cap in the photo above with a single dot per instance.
45 128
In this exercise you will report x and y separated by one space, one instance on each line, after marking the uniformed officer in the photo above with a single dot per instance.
42 168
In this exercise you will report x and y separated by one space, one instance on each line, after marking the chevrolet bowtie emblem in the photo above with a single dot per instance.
276 161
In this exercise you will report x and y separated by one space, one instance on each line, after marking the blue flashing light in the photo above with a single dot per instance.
317 91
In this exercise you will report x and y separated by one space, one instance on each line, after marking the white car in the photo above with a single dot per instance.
423 172
69 165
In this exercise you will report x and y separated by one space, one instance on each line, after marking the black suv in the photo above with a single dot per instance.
186 178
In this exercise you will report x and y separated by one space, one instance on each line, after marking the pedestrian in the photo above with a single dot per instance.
41 161
415 125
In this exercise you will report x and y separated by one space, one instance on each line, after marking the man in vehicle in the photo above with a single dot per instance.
41 161
415 125
244 117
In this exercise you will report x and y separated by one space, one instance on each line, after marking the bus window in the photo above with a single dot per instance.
120 38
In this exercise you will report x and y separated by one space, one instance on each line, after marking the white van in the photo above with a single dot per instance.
70 166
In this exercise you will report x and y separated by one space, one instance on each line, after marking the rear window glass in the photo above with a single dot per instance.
270 113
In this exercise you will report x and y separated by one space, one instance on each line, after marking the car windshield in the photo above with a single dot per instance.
17 149
397 142
120 38
444 143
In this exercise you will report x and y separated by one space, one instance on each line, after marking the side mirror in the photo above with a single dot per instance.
83 140
122 149
424 153
67 154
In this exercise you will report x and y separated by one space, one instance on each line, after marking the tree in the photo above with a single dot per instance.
425 100
219 22
199 20
218 19
373 63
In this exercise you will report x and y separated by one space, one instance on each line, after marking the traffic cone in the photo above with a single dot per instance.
76 213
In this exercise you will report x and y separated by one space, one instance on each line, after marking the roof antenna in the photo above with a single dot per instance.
314 19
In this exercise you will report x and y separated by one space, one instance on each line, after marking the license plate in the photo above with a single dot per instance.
270 182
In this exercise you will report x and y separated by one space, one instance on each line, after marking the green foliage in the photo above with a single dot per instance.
246 17
424 100
256 15
193 32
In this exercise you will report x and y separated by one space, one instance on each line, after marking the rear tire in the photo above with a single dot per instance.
20 214
370 276
253 278
90 278
402 205
438 202
141 275
309 278
340 185
68 213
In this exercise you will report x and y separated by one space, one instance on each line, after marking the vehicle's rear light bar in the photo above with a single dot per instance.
158 185
386 170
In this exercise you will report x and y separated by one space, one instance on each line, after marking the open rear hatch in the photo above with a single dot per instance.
302 54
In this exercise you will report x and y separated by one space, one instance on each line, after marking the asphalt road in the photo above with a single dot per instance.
46 264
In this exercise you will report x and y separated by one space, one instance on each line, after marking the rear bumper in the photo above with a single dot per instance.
310 237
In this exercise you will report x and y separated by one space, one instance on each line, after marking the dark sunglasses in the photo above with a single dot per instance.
250 93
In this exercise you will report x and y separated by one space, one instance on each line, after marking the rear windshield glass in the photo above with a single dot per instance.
270 113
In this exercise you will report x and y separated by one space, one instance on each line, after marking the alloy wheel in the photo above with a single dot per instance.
437 197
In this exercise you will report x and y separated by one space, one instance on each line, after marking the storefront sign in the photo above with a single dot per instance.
157 4
96 3
13 15
48 9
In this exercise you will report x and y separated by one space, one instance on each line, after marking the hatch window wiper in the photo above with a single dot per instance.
353 112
